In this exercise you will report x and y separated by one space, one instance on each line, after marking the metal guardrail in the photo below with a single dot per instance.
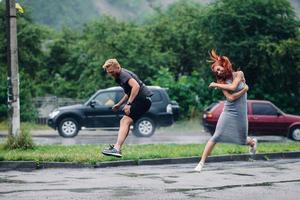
45 105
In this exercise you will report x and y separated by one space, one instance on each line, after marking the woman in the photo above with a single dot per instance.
232 126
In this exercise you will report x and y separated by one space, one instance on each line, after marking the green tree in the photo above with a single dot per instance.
30 60
178 33
262 38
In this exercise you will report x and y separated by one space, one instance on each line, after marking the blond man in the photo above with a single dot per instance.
137 99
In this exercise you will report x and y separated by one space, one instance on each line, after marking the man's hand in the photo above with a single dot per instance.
127 109
116 107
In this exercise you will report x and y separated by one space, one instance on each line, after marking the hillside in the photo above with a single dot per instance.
75 13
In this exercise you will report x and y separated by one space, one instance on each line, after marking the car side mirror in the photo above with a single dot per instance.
92 103
279 114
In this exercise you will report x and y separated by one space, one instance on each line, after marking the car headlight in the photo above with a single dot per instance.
54 113
169 109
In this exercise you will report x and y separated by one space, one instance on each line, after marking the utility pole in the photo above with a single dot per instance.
13 69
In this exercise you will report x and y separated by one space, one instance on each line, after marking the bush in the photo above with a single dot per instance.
22 141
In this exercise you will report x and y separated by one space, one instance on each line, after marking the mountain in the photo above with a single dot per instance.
75 13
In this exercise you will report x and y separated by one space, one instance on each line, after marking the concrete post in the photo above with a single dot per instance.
13 69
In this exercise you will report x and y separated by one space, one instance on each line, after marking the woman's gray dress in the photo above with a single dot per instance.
232 126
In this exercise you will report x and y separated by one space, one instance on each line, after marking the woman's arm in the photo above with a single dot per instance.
232 97
232 86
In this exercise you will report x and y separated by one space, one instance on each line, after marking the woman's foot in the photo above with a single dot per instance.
199 167
252 149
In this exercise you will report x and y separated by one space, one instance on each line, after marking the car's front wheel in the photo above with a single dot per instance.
295 133
144 127
68 127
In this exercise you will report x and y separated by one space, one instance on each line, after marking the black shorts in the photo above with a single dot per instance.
139 107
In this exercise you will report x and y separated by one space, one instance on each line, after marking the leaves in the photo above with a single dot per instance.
261 37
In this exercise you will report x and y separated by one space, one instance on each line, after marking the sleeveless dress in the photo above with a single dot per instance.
232 126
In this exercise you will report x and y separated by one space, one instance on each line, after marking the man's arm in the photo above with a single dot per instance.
232 97
123 100
232 86
135 88
120 103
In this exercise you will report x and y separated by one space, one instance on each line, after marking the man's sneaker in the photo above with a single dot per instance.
199 167
252 150
111 151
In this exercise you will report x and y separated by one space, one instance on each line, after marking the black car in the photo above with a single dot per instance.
97 113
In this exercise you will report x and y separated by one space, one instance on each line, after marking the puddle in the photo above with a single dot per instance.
168 181
242 174
136 175
280 168
125 192
173 176
183 190
80 178
82 190
5 180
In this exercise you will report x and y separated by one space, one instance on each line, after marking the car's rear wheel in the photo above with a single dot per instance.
295 133
68 127
144 127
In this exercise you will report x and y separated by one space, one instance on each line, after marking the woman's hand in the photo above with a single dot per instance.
213 85
246 87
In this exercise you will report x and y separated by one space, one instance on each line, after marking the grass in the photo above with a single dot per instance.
27 125
91 153
183 126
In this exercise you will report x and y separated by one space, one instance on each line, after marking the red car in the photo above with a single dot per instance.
264 119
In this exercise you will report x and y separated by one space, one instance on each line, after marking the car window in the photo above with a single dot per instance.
208 108
119 95
106 99
156 96
263 109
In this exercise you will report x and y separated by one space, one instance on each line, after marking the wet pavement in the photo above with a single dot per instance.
196 134
165 135
266 180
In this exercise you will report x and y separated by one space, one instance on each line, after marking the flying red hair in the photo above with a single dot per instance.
221 61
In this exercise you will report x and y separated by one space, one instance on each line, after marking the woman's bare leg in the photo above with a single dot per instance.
250 141
207 150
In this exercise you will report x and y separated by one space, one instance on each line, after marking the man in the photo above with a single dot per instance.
137 99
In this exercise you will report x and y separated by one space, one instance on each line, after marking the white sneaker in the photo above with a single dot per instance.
199 167
252 150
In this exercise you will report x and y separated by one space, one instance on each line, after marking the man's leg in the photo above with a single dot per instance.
123 131
115 150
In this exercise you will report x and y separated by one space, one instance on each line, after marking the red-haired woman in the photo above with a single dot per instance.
232 126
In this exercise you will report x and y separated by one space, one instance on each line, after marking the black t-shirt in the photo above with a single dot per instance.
123 79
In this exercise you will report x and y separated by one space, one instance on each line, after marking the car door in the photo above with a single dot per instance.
101 114
120 113
264 118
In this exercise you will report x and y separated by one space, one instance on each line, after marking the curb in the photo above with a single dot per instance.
31 165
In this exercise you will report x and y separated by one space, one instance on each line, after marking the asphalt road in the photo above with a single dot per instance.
177 135
259 180
106 137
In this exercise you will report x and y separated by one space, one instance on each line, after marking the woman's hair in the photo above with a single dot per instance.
221 61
